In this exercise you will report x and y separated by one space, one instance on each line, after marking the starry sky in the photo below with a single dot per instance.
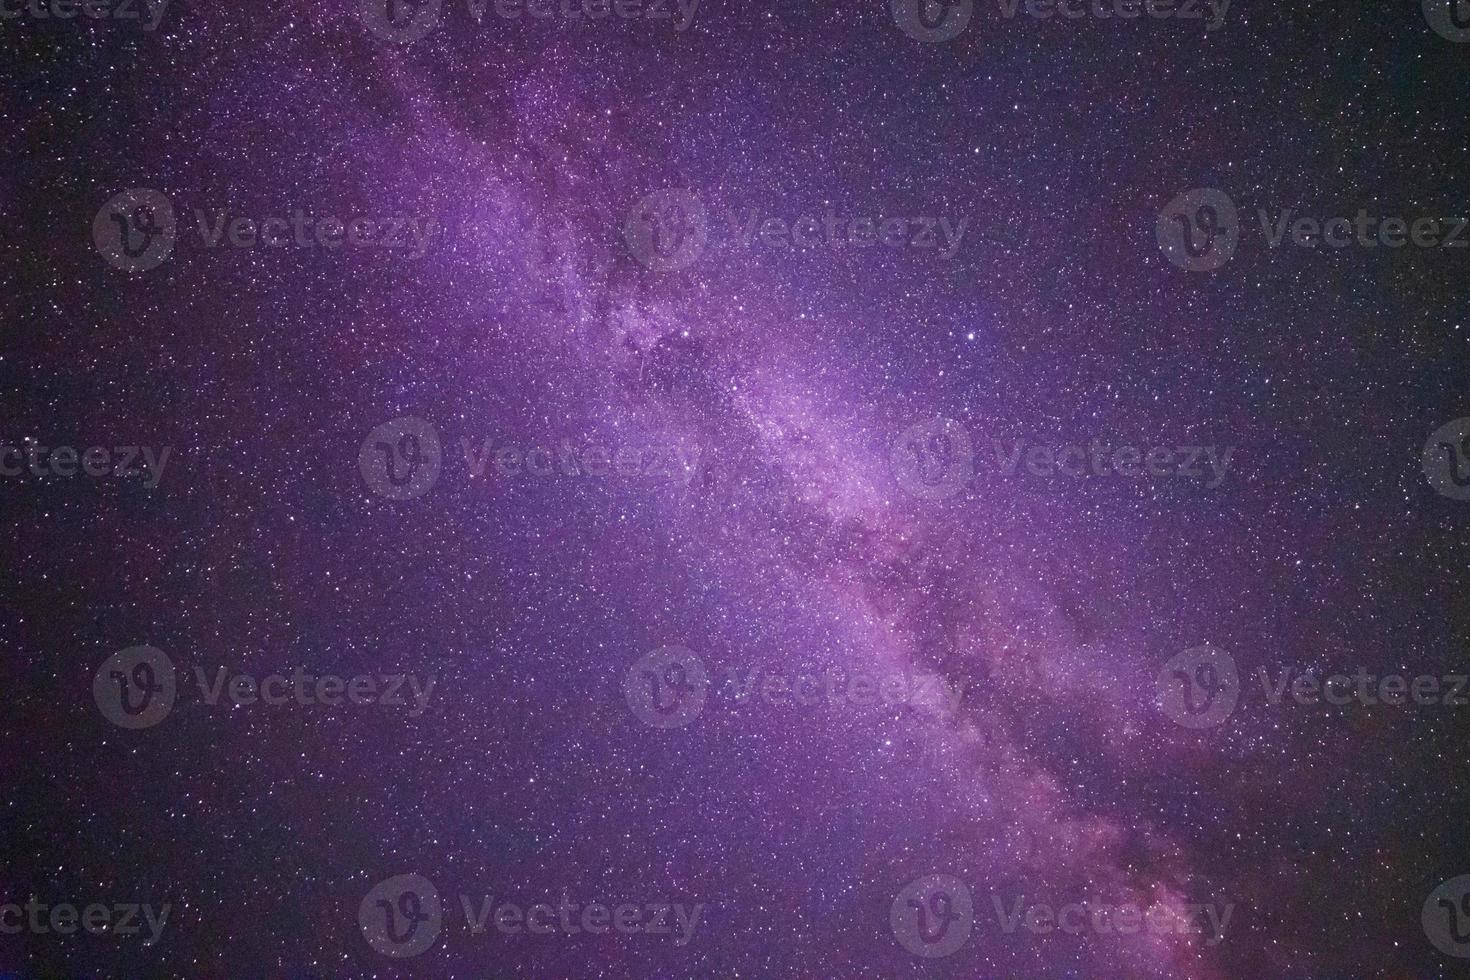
626 377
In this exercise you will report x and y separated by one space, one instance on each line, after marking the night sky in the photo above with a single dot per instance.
747 489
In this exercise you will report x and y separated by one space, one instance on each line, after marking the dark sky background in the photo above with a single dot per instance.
788 539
